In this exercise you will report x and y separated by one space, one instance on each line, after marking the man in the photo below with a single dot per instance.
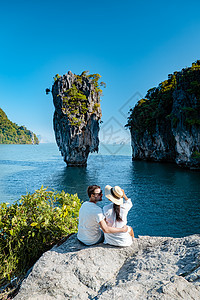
91 219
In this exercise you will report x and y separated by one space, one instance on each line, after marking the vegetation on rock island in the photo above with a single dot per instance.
83 97
157 105
11 133
31 226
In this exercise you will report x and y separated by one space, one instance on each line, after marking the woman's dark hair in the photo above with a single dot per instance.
116 209
91 189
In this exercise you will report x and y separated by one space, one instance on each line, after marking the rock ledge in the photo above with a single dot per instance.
152 268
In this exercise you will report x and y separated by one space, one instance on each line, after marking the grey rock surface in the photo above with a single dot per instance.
152 268
76 122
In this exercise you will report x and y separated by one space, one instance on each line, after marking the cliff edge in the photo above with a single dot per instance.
165 125
152 268
77 115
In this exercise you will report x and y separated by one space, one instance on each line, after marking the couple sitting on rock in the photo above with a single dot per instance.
107 225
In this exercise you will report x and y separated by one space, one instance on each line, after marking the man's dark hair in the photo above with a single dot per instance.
91 189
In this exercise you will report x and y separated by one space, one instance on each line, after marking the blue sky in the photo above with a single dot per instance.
134 45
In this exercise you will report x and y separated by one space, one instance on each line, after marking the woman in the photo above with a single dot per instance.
116 216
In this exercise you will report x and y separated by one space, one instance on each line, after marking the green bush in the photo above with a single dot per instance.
196 155
32 226
96 107
192 122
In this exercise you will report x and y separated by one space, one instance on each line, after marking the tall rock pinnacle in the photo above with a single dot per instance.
77 115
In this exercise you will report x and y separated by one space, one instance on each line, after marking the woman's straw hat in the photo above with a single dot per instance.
114 194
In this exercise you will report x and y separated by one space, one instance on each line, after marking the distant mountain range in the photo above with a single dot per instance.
11 133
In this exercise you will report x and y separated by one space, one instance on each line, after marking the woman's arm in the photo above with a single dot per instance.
107 229
124 195
128 203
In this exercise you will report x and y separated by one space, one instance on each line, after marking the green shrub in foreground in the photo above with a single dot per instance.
32 226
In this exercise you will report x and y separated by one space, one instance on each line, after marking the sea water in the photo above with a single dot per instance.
166 198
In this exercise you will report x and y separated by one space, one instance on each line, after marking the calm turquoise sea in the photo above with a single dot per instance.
166 198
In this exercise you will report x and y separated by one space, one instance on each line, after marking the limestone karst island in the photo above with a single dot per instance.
77 115
11 133
165 125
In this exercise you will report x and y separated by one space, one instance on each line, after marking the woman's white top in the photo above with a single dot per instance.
121 238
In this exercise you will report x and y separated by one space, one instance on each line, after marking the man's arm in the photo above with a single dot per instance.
108 229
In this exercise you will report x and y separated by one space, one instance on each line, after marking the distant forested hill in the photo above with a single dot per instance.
11 133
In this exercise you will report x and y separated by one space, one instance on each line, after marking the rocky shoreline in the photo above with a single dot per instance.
152 268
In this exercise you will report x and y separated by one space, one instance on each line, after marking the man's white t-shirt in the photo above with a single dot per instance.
121 238
90 215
